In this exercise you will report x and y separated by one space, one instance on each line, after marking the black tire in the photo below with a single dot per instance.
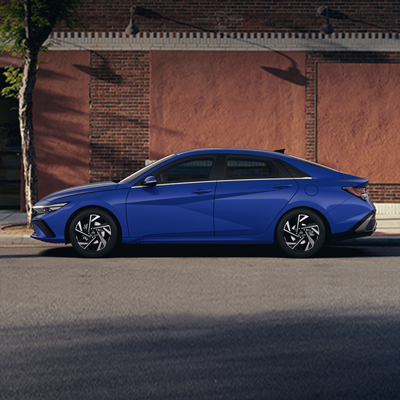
301 233
93 232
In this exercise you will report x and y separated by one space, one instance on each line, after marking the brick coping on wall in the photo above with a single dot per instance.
147 41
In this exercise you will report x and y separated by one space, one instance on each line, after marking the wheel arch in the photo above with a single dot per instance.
71 217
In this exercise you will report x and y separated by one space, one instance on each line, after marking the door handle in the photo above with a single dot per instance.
201 191
283 186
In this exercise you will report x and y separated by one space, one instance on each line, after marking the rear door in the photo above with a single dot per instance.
251 193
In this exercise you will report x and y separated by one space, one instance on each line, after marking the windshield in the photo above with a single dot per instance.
136 174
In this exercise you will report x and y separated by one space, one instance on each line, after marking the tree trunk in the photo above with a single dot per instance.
26 129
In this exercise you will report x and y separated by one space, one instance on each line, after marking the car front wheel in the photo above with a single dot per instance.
93 232
301 233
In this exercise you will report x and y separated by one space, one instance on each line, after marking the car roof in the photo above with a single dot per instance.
237 150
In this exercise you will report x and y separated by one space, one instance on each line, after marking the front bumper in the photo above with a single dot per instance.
42 231
40 227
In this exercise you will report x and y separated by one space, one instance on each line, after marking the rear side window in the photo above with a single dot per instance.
187 171
250 168
294 172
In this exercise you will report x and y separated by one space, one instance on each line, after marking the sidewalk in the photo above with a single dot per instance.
388 232
12 217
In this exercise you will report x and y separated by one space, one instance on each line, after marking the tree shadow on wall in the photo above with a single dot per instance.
59 136
103 72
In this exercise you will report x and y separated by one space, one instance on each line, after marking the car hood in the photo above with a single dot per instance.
72 191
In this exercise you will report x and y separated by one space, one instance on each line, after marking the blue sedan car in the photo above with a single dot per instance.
219 195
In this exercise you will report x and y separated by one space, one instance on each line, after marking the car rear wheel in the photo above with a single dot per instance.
93 232
301 233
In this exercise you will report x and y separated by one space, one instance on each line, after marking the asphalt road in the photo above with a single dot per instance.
199 322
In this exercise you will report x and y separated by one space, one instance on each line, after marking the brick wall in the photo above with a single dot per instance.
241 15
380 193
119 114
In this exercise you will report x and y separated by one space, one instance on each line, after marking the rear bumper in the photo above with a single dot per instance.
365 227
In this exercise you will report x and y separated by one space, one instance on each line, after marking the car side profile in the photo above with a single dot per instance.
222 195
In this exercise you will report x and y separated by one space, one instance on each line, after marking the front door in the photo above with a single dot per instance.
181 204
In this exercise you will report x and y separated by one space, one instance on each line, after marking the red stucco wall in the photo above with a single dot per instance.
223 99
358 123
61 120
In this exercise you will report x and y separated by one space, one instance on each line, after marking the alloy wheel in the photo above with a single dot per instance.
92 233
301 233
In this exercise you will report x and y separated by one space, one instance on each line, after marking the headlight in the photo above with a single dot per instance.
47 209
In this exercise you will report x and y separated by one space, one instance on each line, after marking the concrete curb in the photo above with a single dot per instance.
23 241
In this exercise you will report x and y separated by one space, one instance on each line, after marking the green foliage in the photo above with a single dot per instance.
17 38
13 78
45 14
12 27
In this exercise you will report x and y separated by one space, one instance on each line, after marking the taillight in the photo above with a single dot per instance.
359 192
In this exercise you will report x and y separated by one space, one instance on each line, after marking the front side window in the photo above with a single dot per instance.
243 168
198 169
